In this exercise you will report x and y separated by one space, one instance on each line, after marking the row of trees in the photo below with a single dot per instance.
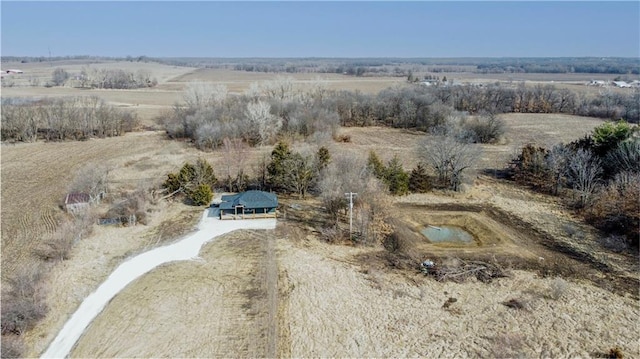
271 110
90 77
76 118
599 173
259 117
567 65
425 108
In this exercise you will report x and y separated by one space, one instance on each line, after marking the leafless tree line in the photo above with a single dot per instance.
76 118
260 116
425 108
115 78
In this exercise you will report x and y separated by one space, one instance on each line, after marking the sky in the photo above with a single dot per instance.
321 29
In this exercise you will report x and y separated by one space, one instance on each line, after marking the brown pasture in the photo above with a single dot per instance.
35 177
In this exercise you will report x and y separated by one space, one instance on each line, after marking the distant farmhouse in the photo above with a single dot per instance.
250 204
621 84
10 72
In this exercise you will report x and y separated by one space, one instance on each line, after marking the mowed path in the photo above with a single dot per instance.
35 177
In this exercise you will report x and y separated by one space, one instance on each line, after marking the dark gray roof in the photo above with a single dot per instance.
250 199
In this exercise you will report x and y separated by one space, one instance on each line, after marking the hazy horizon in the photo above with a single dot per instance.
322 29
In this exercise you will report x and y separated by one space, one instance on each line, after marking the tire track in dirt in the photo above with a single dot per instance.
48 220
272 298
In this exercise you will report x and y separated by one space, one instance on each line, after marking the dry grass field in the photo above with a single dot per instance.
341 306
520 129
35 177
239 81
286 293
218 306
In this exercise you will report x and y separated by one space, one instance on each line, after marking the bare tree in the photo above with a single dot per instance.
449 157
280 88
264 126
201 94
59 76
344 174
234 155
92 180
584 172
299 173
253 92
556 161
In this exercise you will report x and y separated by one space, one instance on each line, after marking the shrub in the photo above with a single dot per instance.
609 135
342 138
201 195
12 347
333 234
132 204
616 208
616 353
517 303
557 288
23 304
59 76
485 129
58 245
531 167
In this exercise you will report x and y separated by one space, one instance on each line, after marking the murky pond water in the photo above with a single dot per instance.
439 234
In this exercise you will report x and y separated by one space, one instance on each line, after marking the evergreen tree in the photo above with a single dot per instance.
322 158
192 181
376 166
419 181
396 178
276 170
201 195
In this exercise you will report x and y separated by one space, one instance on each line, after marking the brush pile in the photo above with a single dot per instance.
459 270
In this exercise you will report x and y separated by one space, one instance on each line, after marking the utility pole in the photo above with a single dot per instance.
350 195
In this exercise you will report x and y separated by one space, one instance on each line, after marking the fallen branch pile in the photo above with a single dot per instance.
463 270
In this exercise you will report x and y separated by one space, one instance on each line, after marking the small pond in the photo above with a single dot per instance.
452 234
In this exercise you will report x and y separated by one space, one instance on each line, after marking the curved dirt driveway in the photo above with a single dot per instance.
187 248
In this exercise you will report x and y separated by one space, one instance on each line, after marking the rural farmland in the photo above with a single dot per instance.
330 179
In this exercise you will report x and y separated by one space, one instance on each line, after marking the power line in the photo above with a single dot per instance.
350 195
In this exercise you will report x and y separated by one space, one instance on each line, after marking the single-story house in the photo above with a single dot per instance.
622 84
77 202
249 204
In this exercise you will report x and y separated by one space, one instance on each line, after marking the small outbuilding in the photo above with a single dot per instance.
249 204
77 202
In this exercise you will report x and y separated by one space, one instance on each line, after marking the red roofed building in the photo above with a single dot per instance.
77 202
